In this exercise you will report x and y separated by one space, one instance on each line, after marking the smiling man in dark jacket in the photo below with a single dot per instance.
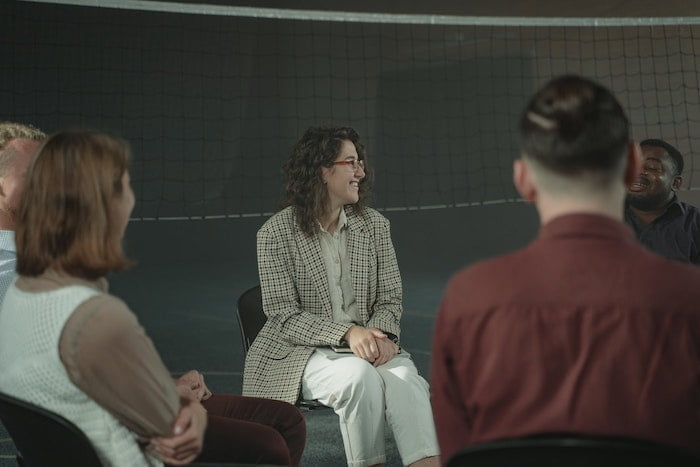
662 222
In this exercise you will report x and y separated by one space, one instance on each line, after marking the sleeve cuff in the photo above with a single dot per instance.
392 337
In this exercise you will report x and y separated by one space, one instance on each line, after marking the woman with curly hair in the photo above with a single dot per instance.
330 282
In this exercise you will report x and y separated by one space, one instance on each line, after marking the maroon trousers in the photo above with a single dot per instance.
253 431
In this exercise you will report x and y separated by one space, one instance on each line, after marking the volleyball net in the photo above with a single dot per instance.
212 98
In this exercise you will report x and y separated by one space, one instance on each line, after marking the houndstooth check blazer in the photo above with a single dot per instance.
297 302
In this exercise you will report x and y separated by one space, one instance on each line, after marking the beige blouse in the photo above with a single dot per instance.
108 355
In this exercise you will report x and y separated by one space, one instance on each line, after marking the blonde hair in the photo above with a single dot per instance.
10 131
65 219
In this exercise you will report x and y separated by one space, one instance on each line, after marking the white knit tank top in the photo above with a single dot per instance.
31 370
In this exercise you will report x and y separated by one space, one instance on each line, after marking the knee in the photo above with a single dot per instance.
294 432
294 416
360 380
294 422
286 445
276 451
284 411
283 416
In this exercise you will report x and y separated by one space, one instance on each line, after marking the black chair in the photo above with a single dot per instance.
251 317
43 438
572 451
251 320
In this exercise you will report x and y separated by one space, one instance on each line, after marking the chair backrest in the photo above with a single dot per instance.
251 317
43 438
572 451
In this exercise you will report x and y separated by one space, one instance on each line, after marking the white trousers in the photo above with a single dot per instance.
364 397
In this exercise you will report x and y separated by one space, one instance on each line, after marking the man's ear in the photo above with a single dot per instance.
677 182
522 178
634 162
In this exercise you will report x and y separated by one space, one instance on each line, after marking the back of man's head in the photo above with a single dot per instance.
574 129
10 131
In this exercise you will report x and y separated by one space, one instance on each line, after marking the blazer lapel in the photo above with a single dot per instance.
359 247
310 249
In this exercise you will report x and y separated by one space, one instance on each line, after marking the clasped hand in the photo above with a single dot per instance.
188 436
371 344
191 386
187 439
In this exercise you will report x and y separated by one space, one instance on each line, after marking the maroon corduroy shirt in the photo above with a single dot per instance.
583 331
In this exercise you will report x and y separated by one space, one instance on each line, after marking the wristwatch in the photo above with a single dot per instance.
392 337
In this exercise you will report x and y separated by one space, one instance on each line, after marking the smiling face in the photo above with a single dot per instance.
123 205
342 181
656 181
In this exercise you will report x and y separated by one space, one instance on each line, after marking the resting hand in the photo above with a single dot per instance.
387 350
188 436
363 342
191 386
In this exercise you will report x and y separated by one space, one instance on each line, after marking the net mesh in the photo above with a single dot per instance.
212 103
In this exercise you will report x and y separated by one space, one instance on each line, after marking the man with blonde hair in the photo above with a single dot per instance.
18 143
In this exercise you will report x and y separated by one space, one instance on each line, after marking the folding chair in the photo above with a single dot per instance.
251 320
572 450
43 438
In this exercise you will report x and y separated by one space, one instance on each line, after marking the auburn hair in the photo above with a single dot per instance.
65 219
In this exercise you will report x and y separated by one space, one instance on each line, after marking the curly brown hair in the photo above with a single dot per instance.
304 188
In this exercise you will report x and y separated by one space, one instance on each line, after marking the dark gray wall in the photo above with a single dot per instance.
212 104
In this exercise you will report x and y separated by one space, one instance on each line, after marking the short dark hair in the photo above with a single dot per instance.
673 153
305 190
65 218
574 125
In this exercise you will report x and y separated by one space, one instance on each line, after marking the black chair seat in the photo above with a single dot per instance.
43 438
572 451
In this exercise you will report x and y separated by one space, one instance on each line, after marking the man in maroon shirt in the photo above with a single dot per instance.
584 330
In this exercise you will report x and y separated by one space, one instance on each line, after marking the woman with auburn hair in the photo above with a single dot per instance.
331 291
70 347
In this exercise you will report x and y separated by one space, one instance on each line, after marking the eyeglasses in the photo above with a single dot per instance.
356 164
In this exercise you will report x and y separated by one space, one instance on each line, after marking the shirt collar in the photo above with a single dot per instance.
52 279
675 202
673 207
342 222
586 224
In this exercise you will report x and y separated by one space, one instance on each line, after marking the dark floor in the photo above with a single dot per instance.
190 274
